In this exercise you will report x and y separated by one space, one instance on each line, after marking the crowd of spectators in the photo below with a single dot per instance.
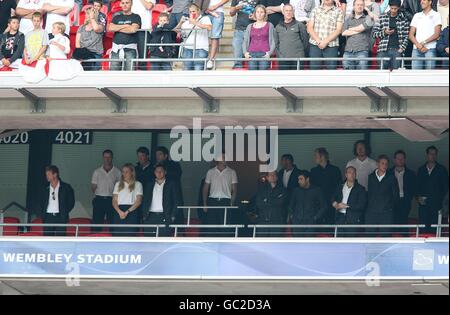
192 29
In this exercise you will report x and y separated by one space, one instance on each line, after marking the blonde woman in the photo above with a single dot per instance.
89 40
127 198
259 41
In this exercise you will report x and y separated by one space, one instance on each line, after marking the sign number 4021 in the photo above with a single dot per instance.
73 137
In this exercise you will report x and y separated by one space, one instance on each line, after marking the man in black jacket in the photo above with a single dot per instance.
328 178
383 194
160 204
308 204
143 168
350 200
288 177
12 44
407 184
57 201
432 181
270 204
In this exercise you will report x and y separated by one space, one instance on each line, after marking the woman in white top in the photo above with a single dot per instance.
195 31
127 198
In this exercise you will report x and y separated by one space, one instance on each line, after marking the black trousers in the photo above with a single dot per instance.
289 65
401 211
103 209
382 218
142 50
217 217
428 216
157 219
55 219
132 219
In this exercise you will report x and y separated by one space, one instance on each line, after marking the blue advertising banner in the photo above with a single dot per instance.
224 259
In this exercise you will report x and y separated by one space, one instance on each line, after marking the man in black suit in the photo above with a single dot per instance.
161 202
407 184
57 201
270 204
383 195
350 200
143 168
432 179
174 173
328 178
288 177
308 204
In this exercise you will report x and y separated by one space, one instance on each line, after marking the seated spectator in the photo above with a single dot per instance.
89 40
58 11
424 33
244 11
392 30
324 28
6 8
25 10
125 26
36 42
442 46
196 42
291 38
357 30
162 34
303 9
12 44
259 41
61 68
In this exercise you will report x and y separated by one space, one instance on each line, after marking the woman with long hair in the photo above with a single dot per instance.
259 41
127 198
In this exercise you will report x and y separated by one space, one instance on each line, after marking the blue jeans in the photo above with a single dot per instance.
197 65
117 66
393 63
329 52
238 42
424 64
254 64
161 66
218 24
356 64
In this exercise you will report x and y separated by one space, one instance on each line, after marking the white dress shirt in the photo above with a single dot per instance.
286 177
105 181
345 195
157 201
380 177
53 201
400 179
221 182
363 170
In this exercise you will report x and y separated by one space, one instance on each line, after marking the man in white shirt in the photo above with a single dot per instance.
143 8
220 190
58 11
424 32
57 200
25 9
161 201
102 184
362 163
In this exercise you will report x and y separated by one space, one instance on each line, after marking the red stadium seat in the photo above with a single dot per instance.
37 229
30 234
82 230
11 230
99 235
75 15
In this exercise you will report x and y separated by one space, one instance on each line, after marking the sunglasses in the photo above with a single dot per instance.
53 196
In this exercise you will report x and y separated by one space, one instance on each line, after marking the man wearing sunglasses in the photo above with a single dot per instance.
57 201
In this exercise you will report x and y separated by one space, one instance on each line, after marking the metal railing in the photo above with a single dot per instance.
301 63
226 212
